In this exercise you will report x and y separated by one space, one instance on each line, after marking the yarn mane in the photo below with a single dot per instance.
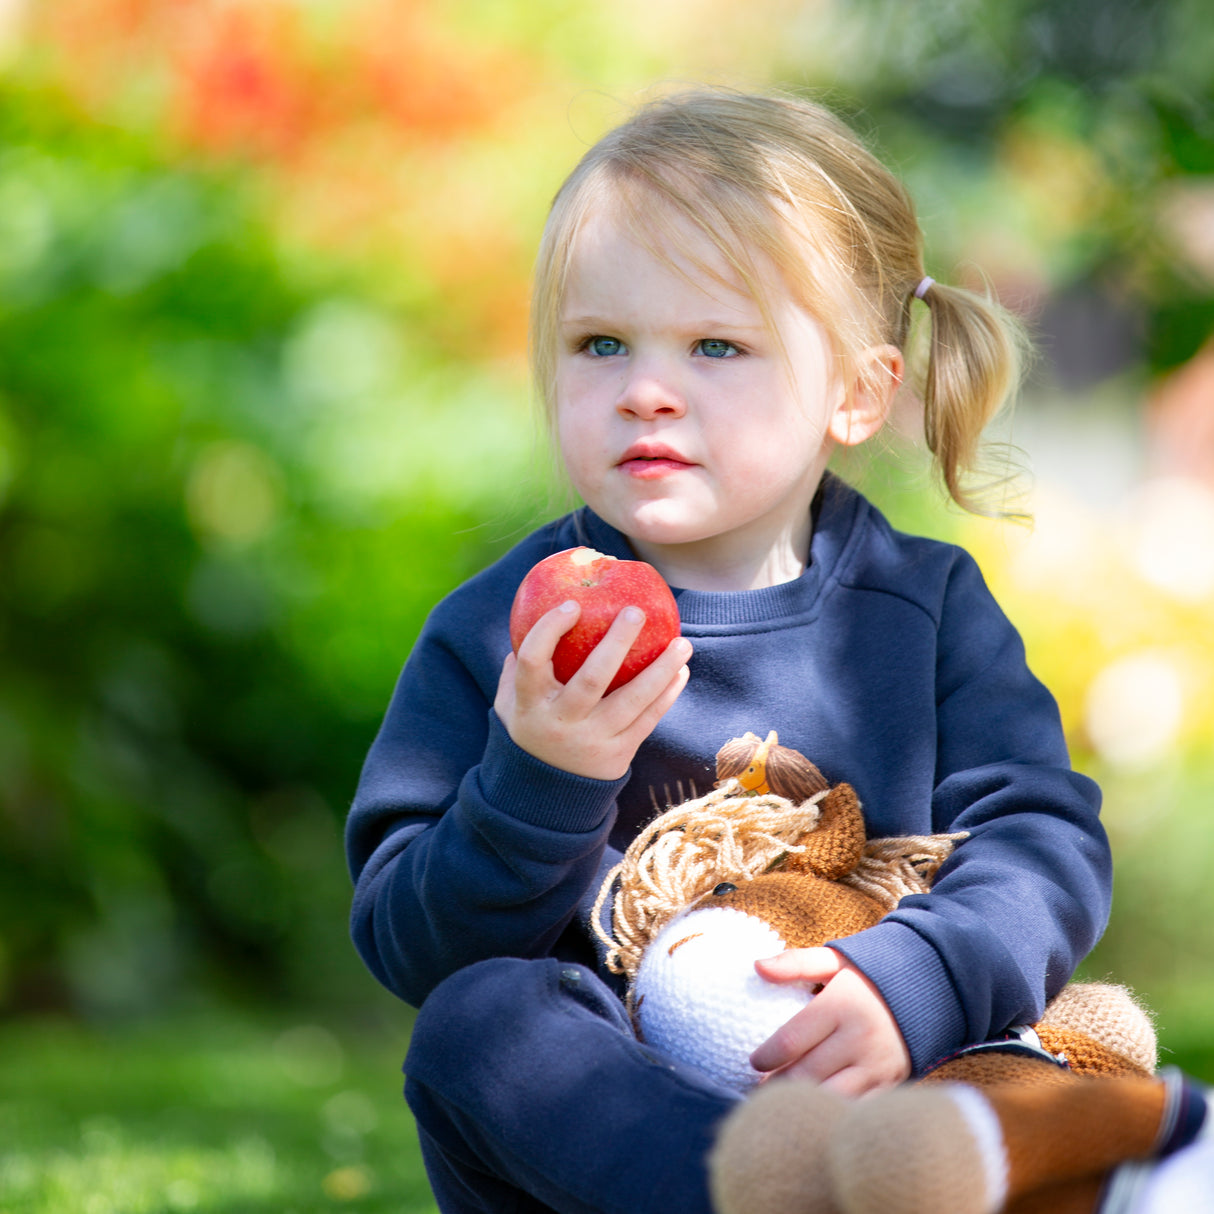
730 835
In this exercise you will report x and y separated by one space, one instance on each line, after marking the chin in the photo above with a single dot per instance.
665 527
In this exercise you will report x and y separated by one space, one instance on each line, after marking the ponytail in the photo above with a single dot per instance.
974 362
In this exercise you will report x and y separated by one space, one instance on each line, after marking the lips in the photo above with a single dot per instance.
646 460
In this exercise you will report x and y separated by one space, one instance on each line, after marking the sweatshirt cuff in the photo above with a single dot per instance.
534 792
916 987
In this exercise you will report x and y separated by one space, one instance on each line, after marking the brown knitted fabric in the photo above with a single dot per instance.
909 1151
989 1069
1085 1055
685 853
783 849
835 848
914 1151
738 833
806 911
1111 1015
1082 1129
770 1153
1069 1197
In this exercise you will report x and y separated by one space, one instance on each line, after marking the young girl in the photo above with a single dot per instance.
722 297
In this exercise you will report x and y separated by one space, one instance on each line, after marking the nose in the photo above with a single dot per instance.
647 393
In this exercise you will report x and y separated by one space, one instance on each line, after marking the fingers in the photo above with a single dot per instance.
658 684
600 665
599 668
832 1066
845 1038
847 1059
576 726
534 657
793 1040
806 965
854 1082
606 658
813 1024
657 674
645 688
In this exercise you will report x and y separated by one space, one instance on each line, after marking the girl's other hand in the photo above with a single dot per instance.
573 726
845 1038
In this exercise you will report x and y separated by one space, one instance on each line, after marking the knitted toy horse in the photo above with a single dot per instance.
776 858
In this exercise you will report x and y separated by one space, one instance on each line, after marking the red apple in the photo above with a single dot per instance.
603 586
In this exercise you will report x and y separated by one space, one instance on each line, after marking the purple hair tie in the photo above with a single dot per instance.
924 286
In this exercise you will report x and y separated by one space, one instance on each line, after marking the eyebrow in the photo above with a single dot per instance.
700 326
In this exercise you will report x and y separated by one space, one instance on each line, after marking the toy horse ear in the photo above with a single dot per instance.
834 847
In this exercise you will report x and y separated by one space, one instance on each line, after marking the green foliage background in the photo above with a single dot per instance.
208 588
262 401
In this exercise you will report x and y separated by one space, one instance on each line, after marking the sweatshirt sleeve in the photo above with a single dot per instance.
1026 896
462 846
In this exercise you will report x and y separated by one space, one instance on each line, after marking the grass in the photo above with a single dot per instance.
225 1115
236 1116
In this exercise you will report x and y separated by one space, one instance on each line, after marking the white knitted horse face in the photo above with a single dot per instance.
698 998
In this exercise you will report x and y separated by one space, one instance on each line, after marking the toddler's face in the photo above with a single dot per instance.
683 420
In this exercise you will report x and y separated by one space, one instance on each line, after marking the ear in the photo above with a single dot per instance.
834 847
864 406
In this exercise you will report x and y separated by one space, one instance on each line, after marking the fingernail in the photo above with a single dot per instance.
633 615
568 606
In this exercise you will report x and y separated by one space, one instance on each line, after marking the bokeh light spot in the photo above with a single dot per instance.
1134 710
310 1055
347 1184
342 352
234 493
351 1112
1171 537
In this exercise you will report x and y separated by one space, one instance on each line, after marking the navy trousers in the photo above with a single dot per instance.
531 1094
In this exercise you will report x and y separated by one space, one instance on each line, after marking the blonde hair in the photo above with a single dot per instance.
779 180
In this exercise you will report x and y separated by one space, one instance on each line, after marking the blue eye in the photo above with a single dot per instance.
604 347
714 347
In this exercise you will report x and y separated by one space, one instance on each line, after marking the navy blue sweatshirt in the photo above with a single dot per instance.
887 662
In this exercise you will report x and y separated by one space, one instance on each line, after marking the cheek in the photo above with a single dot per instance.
770 453
570 430
578 444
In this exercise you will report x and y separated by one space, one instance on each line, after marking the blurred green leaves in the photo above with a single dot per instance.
1052 146
262 311
230 492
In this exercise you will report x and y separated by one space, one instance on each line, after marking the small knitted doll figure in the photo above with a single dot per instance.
776 858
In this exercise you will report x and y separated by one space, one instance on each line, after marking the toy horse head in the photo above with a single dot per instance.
715 884
775 858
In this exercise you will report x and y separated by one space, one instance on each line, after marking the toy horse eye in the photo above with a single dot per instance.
723 888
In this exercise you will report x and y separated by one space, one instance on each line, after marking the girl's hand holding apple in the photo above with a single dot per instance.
593 723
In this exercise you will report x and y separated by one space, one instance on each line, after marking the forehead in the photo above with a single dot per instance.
616 256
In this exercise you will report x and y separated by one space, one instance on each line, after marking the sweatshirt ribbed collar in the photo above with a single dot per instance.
838 510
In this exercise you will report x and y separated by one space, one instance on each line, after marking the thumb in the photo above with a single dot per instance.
816 965
505 682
